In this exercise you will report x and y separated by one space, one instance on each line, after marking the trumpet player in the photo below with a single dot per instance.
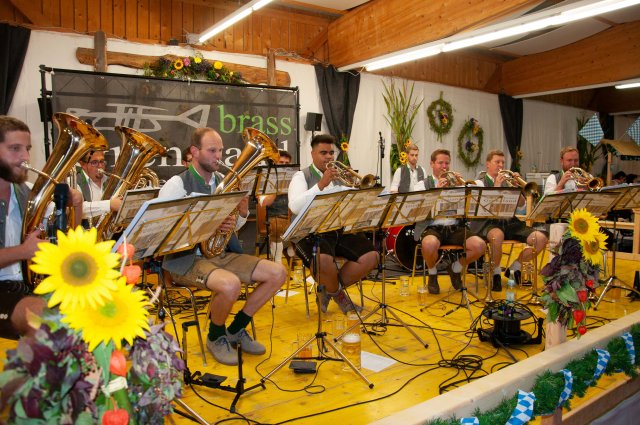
222 275
496 231
407 176
90 180
445 231
359 252
564 180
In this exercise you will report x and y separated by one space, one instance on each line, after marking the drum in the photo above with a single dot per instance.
401 246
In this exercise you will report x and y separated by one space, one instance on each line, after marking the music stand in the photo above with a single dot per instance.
628 198
190 221
312 220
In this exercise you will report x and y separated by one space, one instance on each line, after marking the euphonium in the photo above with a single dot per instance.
350 178
257 147
512 180
585 179
454 180
136 150
75 139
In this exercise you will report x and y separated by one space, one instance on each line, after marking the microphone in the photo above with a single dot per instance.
60 197
381 145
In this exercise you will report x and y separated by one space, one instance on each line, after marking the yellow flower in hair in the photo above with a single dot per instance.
583 225
344 146
217 65
178 64
81 271
593 251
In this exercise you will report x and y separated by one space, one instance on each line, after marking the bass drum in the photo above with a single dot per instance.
401 246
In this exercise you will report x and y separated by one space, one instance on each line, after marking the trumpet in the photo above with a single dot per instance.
453 179
586 180
350 178
512 180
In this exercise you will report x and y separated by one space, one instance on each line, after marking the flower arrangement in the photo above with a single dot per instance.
74 369
401 115
343 145
572 274
191 67
470 142
440 114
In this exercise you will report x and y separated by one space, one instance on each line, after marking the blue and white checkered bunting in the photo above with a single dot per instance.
628 340
592 131
634 130
603 360
568 385
524 409
470 421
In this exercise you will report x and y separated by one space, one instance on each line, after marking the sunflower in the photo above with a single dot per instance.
344 146
407 143
217 65
178 64
583 225
403 158
123 317
80 270
592 251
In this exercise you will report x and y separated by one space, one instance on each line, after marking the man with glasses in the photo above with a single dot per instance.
90 181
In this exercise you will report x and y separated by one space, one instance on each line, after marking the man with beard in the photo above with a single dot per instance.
15 298
222 275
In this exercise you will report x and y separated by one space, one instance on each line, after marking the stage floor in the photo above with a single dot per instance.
416 373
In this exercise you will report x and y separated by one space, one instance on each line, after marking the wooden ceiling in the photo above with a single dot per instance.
296 30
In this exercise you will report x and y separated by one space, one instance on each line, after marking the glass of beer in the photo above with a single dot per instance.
307 351
351 348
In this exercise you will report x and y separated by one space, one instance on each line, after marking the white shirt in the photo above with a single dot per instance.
12 237
413 179
299 193
551 184
96 207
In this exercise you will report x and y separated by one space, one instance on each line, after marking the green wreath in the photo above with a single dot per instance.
440 115
470 143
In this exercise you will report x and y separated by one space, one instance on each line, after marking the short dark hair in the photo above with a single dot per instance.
322 138
620 175
9 124
186 151
285 154
631 177
196 137
437 152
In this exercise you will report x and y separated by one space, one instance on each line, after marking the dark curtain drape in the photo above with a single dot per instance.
511 111
13 49
338 94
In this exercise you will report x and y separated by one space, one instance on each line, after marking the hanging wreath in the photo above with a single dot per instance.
470 143
440 115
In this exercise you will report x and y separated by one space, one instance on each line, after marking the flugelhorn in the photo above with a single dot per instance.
350 178
453 179
584 179
528 188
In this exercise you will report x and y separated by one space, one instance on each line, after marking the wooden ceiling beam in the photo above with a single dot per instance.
609 56
380 27
29 9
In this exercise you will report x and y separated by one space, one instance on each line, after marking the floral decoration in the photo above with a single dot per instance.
440 114
343 145
192 67
572 274
470 141
403 158
74 369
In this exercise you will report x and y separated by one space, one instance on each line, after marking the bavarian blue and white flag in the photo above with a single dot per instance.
601 365
628 340
634 131
592 131
568 385
470 421
524 409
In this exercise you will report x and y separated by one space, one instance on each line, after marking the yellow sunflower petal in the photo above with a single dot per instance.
583 225
593 251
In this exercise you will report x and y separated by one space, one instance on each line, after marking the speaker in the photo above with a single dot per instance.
314 121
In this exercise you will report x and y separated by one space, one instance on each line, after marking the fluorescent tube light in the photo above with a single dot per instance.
628 86
405 57
235 17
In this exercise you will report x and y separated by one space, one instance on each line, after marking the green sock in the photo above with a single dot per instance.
215 331
239 322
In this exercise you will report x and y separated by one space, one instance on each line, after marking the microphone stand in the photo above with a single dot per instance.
381 156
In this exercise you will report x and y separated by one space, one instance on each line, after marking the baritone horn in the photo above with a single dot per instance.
350 178
586 180
530 188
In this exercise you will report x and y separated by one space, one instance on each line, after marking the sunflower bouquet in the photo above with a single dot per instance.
94 358
572 275
194 67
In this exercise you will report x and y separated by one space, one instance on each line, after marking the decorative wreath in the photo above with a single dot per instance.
440 115
470 143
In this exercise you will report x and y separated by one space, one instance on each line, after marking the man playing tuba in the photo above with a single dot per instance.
90 180
222 275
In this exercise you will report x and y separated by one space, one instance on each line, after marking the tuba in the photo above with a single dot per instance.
75 139
136 150
350 178
530 188
586 180
453 180
257 148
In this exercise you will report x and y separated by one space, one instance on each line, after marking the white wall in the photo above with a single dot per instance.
546 127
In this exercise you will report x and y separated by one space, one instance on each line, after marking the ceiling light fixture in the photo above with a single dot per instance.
525 24
235 17
628 85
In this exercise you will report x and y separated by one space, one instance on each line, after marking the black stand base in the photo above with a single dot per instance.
506 330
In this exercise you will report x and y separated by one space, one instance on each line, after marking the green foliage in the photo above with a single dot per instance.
582 370
547 388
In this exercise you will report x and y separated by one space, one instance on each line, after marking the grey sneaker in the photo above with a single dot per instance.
248 345
345 303
324 301
221 350
433 286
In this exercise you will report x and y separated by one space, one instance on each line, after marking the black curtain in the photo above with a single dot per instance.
338 94
13 49
511 111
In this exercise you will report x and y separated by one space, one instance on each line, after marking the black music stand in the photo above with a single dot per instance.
189 221
313 220
467 203
628 198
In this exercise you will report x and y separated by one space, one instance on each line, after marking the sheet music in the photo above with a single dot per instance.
451 203
629 199
550 206
499 203
131 204
248 181
275 180
313 214
358 210
597 203
414 207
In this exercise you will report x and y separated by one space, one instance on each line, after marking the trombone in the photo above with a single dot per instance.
350 178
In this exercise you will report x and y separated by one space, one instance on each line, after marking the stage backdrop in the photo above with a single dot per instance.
169 110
